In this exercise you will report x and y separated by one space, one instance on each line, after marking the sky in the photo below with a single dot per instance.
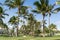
54 17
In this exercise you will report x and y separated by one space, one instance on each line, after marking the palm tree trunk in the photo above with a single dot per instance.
43 27
49 18
34 27
49 22
18 20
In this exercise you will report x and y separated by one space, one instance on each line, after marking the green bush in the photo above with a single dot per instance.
37 32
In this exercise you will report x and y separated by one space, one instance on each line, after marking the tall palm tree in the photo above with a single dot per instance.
16 4
14 21
2 16
41 8
51 10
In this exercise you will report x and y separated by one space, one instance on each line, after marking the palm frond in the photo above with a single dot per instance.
42 1
38 5
4 25
2 16
10 5
5 14
7 1
13 20
47 2
35 11
1 21
1 10
23 2
57 9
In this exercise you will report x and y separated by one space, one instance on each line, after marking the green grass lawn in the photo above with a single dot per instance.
29 38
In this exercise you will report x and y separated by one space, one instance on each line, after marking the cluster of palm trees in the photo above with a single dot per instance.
42 7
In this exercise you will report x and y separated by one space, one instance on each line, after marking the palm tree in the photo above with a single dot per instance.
41 8
33 25
16 4
31 21
37 25
52 26
51 11
52 29
37 28
2 16
14 21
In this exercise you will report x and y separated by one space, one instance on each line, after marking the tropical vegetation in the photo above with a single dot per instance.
30 25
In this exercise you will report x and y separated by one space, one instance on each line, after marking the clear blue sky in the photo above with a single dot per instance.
54 17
